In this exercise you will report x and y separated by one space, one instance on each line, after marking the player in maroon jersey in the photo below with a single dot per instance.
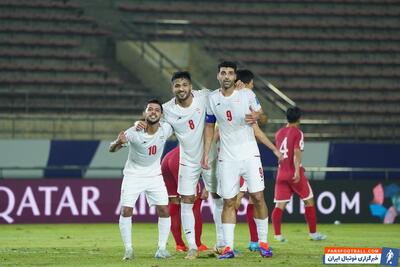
290 176
169 169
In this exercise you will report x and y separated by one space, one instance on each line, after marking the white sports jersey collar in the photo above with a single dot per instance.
227 97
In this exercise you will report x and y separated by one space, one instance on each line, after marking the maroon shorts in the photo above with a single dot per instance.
285 187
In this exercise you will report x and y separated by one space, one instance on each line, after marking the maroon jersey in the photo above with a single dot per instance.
287 139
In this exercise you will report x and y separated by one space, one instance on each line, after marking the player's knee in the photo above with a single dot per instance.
162 211
237 204
281 205
230 203
175 200
257 198
188 199
238 200
126 211
309 202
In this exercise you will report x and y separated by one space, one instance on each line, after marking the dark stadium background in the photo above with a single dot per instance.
74 73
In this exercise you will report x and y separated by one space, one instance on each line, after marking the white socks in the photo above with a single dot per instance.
262 229
125 227
164 226
229 232
218 206
187 218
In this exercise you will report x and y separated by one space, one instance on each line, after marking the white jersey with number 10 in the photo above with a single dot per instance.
145 151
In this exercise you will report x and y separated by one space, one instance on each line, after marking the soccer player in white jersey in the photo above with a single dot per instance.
238 155
142 173
185 113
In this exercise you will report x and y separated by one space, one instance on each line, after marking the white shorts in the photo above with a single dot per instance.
210 177
153 187
229 172
189 178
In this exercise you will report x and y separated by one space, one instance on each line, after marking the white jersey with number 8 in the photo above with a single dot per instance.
188 125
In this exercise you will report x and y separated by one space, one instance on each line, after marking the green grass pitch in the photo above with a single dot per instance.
101 245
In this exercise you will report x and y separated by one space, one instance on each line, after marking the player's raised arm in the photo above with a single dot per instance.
118 143
265 140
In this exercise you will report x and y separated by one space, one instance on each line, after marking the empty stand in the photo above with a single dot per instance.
52 61
338 59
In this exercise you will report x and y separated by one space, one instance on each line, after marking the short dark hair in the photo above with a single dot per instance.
181 75
245 76
293 114
227 64
154 101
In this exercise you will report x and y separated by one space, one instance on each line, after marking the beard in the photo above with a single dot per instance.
152 122
182 98
227 84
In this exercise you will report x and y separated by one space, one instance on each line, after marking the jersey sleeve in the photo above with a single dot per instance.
167 128
210 117
205 92
131 135
253 100
166 112
299 141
